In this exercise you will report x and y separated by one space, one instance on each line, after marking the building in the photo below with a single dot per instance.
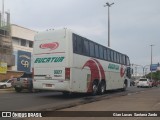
22 40
7 59
16 50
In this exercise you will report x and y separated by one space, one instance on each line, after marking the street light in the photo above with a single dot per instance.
151 61
143 67
109 5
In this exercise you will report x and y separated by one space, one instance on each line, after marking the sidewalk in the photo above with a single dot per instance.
7 90
148 100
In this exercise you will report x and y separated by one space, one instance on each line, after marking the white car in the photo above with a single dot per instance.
6 83
144 82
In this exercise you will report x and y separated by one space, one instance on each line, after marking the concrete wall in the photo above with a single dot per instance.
21 32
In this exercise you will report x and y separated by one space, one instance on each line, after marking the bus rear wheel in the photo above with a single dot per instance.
102 87
94 88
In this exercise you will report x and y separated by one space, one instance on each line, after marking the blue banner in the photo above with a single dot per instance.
154 67
24 61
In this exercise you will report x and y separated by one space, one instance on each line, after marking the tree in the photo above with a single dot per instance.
155 75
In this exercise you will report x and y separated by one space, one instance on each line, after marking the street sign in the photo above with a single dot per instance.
154 67
3 67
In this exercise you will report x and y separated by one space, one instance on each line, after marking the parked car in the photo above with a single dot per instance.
7 83
154 83
23 82
144 82
132 83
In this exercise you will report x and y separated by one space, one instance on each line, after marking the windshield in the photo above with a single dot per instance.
4 80
143 80
25 75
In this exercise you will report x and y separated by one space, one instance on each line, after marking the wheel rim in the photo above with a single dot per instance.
102 88
95 89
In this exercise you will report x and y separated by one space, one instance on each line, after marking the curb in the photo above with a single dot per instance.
7 90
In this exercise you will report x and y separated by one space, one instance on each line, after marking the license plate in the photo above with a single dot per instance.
48 85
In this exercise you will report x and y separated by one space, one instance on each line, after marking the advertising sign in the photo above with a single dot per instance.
24 61
3 67
154 67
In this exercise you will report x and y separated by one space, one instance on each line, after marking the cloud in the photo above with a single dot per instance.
134 23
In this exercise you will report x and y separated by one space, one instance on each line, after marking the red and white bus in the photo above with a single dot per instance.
67 62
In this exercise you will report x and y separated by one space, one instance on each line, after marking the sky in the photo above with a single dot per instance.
134 24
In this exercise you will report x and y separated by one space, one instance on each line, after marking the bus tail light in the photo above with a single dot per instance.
32 72
67 73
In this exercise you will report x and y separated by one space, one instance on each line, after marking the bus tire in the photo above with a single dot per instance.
102 87
94 88
124 86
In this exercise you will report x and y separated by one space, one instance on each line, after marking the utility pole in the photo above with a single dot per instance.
109 5
151 60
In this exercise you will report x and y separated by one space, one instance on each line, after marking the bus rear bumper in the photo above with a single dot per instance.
51 85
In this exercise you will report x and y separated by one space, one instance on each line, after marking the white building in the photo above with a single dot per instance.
22 41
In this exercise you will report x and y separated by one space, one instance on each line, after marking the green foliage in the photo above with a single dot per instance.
155 75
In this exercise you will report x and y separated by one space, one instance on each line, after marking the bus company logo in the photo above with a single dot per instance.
94 66
51 46
122 71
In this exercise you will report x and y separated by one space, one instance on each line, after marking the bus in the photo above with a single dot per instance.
67 62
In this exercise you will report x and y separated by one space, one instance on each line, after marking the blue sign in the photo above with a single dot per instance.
24 61
154 67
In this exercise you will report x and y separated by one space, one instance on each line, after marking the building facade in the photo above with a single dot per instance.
22 40
7 59
16 51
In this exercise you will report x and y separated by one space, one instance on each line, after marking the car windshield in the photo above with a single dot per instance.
26 75
4 81
143 80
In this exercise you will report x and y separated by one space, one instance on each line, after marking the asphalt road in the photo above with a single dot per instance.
12 101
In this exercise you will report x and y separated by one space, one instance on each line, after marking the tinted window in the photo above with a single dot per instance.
127 61
26 75
115 57
143 80
74 43
105 54
79 45
86 47
108 54
112 56
101 52
96 50
123 60
91 48
118 58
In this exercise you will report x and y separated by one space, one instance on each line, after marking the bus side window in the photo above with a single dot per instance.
115 57
91 49
96 51
118 58
101 52
79 45
112 56
127 61
74 43
86 48
108 54
123 60
105 53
